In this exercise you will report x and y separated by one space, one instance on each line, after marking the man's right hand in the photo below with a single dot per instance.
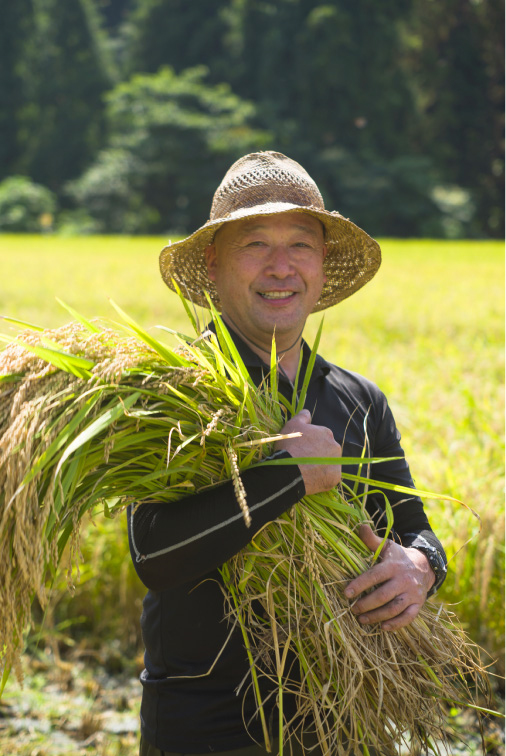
315 441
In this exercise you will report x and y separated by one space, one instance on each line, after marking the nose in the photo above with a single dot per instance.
279 262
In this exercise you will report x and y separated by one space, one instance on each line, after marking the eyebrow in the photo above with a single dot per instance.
296 227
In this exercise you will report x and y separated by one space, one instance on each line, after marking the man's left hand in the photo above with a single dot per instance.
401 579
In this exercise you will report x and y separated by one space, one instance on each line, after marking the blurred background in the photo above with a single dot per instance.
120 116
118 119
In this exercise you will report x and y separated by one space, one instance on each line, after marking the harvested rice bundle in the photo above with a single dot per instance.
359 687
92 419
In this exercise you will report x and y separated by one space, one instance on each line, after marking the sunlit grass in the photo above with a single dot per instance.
85 272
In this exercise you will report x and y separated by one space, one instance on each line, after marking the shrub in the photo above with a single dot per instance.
25 206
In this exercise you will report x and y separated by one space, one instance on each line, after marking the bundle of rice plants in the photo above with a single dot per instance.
93 418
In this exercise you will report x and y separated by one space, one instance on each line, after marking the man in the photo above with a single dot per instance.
269 256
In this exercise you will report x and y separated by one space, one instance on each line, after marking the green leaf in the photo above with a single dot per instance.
225 338
22 323
11 378
5 675
332 461
309 370
292 406
274 370
405 489
80 318
170 357
97 426
69 363
191 315
44 461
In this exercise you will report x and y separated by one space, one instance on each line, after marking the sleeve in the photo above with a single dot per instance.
173 543
411 525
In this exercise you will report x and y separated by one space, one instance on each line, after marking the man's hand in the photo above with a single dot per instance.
315 441
401 580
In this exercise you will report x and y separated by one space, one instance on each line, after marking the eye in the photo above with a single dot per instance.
305 245
256 243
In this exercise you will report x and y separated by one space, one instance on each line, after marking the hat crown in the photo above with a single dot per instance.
264 178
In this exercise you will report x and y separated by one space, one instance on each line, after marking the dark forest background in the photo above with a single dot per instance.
121 116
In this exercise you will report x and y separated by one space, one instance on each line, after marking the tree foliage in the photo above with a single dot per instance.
396 107
15 31
25 206
175 32
458 70
63 121
143 181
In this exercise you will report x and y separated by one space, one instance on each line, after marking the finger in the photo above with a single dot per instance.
369 579
386 611
403 619
378 598
369 537
303 415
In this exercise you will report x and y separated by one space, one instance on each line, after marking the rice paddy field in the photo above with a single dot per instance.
429 330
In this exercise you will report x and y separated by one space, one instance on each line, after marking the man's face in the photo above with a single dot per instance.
269 274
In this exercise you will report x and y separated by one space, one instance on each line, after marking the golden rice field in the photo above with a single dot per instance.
429 330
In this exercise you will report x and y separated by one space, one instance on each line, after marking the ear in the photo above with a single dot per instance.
211 261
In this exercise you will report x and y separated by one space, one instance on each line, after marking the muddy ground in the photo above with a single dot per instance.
89 706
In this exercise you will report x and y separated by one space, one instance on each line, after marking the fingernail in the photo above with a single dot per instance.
349 592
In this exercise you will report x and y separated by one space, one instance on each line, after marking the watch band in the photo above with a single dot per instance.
434 558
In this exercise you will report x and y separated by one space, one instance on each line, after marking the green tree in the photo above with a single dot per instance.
178 33
328 78
113 12
388 87
323 73
15 36
171 138
63 126
315 71
456 60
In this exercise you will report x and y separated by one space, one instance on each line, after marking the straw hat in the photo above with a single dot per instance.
266 183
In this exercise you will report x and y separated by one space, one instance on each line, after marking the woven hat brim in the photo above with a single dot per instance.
353 257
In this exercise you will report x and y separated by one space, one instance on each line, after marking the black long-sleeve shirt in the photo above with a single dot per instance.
194 660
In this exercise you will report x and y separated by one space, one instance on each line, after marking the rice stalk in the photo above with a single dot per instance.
92 419
378 688
86 414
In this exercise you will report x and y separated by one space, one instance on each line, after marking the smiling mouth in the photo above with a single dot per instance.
276 294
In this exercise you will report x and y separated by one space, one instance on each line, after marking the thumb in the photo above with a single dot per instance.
304 415
369 537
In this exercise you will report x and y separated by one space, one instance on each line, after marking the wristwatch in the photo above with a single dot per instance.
434 557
